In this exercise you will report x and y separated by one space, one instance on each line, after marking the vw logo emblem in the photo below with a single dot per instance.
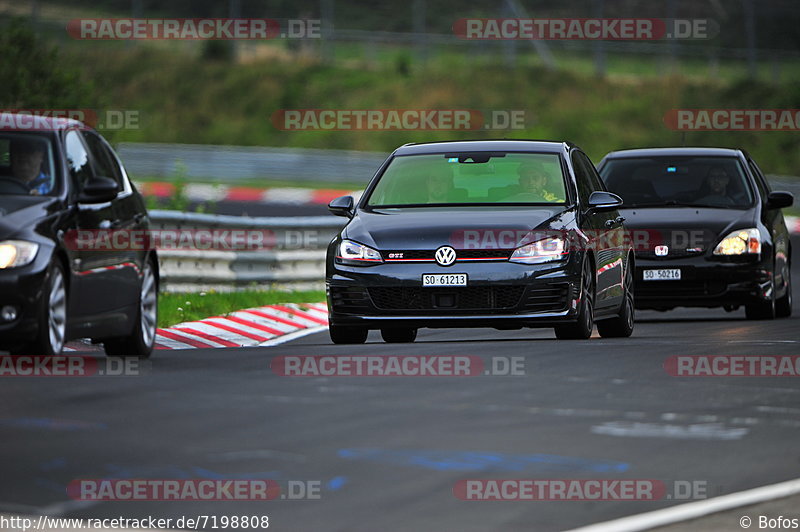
662 251
445 256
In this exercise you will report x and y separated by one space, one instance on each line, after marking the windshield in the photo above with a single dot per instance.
474 179
26 164
680 181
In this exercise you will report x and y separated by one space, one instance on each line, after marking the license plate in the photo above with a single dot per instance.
662 275
444 279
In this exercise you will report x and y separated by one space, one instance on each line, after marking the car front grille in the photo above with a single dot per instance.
673 254
458 298
461 254
679 288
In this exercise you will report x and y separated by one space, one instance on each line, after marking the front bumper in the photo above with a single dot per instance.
500 295
704 282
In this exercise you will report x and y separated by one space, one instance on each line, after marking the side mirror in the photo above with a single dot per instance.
342 206
98 190
604 201
779 200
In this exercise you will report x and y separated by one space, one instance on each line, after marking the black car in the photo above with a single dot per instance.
58 180
504 234
707 229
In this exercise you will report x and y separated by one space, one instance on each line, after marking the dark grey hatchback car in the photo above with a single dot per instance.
504 234
59 179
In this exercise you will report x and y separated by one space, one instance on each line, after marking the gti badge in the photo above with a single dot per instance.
445 256
661 251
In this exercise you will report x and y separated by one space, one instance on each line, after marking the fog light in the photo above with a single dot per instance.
8 313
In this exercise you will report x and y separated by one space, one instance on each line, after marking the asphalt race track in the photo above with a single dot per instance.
387 451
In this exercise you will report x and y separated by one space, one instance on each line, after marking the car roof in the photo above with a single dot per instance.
44 123
673 152
542 146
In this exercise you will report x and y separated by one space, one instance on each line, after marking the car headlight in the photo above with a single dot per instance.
357 254
544 250
15 253
740 242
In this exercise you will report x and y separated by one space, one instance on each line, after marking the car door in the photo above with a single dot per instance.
606 230
124 259
94 261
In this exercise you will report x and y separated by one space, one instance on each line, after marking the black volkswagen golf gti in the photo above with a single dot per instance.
706 228
61 188
504 234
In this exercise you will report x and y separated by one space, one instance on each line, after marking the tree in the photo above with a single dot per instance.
34 74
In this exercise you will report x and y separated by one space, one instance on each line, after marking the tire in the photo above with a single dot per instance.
347 335
622 325
404 335
52 316
783 306
762 310
582 328
139 344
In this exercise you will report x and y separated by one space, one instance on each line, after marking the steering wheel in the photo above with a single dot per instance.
16 182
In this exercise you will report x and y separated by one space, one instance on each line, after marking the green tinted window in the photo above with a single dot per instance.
448 179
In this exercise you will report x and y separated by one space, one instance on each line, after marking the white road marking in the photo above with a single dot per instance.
293 336
696 509
698 431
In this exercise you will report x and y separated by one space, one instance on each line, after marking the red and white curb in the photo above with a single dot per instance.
793 223
206 192
260 326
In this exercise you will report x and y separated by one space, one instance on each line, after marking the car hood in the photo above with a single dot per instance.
431 227
20 212
685 226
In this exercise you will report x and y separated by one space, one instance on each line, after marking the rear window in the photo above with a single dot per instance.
471 179
692 181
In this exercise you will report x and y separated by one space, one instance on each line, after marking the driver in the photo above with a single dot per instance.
26 165
439 186
716 187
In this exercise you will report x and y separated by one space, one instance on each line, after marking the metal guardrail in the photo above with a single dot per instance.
295 254
787 184
242 162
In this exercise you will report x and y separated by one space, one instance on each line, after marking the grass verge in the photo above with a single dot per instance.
175 308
